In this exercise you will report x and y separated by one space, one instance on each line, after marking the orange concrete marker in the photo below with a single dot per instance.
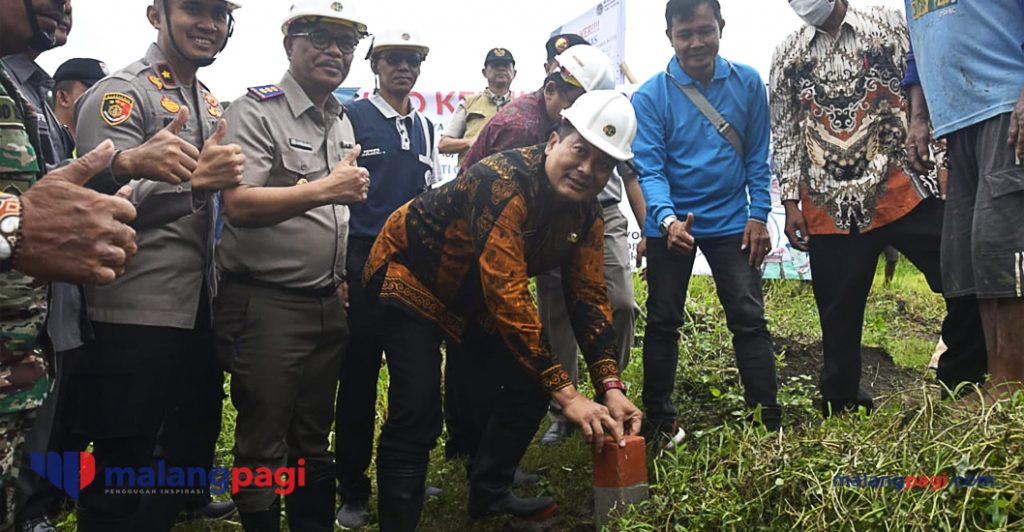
620 477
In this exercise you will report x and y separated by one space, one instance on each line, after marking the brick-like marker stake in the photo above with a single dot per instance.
620 477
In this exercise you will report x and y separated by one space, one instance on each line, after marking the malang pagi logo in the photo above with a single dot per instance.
72 472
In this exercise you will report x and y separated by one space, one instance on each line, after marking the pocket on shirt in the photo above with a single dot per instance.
301 165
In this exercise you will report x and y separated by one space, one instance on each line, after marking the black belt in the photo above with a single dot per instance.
608 203
246 279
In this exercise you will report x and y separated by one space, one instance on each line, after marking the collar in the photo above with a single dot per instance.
28 72
299 102
385 108
853 21
723 69
498 99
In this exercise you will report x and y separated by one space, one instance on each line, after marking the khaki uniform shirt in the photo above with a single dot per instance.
163 282
288 142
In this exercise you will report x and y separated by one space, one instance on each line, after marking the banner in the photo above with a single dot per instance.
603 26
783 262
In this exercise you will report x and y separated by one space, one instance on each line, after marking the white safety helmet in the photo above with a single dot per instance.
325 10
233 4
398 40
587 67
606 119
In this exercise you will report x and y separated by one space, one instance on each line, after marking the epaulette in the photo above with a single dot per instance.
265 92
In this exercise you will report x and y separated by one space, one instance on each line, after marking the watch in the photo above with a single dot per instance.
10 231
610 384
666 223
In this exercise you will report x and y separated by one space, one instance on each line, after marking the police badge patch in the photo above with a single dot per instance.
116 108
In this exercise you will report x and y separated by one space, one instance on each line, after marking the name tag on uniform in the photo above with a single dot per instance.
300 144
372 152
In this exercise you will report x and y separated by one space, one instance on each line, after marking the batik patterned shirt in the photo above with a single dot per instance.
524 122
839 123
466 251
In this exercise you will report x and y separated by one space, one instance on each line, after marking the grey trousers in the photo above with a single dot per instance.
554 315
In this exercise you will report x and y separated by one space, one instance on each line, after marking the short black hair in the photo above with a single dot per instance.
565 129
684 9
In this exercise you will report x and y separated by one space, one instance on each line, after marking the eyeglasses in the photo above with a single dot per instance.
413 59
322 41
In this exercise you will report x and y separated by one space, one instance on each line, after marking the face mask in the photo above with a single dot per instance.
813 12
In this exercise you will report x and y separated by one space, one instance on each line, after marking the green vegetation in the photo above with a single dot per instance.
730 475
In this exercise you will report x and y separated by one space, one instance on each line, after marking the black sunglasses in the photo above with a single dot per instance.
413 59
323 40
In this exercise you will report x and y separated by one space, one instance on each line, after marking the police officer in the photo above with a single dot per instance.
72 78
279 317
474 111
44 247
151 388
399 149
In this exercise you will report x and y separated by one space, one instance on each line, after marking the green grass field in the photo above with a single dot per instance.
729 475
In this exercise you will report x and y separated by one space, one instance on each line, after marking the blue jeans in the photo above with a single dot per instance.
739 289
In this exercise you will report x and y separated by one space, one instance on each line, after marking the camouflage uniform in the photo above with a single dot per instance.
23 375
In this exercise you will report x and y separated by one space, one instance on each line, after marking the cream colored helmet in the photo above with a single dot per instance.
325 10
588 67
606 119
398 40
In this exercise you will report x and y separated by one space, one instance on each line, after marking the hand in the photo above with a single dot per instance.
71 233
347 183
641 251
680 240
758 241
919 135
796 226
1016 138
623 411
220 166
591 417
164 157
343 293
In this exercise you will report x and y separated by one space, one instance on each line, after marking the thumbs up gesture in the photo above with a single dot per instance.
680 239
220 165
71 233
347 183
164 157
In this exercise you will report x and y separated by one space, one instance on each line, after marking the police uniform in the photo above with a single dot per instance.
23 377
280 324
151 383
400 152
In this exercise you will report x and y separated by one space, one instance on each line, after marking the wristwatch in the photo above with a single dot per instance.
10 231
666 223
608 385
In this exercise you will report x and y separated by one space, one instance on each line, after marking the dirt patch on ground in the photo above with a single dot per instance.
879 374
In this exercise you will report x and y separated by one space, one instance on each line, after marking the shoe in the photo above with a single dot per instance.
37 525
268 520
431 492
353 514
214 510
558 431
662 437
831 408
522 478
529 508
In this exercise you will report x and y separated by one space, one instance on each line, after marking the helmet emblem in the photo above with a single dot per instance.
406 37
609 130
336 6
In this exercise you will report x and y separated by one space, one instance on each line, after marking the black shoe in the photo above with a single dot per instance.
559 430
268 520
353 514
310 508
522 478
529 508
37 525
834 408
214 510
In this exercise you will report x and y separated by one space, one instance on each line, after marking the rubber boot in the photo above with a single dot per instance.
400 497
268 520
311 508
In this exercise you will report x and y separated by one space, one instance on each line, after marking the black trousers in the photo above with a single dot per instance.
842 270
34 496
146 394
355 410
739 290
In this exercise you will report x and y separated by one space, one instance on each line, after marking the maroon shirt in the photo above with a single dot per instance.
522 123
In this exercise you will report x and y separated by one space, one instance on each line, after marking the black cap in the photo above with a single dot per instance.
562 42
86 70
499 55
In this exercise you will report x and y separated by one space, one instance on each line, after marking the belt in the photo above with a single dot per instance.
246 279
608 203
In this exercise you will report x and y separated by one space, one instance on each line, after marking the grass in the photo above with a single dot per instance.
729 475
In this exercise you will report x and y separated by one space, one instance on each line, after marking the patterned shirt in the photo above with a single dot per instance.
467 250
524 122
840 122
23 382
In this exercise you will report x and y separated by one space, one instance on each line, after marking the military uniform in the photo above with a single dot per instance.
150 384
23 375
280 325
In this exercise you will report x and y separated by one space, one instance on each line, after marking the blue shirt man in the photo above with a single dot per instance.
688 169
